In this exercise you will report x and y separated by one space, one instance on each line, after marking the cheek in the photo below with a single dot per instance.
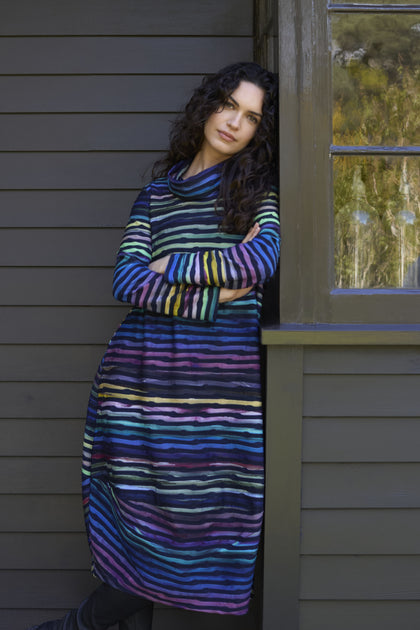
214 118
211 123
251 134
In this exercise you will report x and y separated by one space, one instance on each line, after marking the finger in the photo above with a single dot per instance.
254 230
252 233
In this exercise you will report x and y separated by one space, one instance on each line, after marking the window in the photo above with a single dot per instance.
376 104
350 136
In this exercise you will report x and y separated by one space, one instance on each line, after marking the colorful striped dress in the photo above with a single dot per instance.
173 474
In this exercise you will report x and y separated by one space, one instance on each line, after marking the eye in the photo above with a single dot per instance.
253 119
229 105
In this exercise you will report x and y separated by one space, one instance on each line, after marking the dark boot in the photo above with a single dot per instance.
141 620
107 606
103 609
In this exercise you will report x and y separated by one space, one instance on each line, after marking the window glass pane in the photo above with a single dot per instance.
385 2
377 222
376 79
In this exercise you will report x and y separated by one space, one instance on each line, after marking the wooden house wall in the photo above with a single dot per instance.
87 93
343 487
360 562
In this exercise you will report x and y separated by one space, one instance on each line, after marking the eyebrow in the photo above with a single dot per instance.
249 111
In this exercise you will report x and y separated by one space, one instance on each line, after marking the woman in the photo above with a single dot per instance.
173 454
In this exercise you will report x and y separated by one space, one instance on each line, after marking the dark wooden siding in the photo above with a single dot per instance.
342 546
88 90
360 550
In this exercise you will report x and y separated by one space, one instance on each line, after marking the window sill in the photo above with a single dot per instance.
341 335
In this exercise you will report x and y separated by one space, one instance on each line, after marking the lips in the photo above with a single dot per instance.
226 136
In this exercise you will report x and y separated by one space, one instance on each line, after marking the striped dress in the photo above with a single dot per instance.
173 473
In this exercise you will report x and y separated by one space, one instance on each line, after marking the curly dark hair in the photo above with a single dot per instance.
248 174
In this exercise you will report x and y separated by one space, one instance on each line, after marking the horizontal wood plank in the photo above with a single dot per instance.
43 400
45 589
361 615
56 286
398 333
361 532
128 17
65 208
84 132
40 475
44 551
360 578
145 93
75 170
361 485
380 308
39 437
49 247
361 440
50 324
41 513
50 362
163 617
361 395
362 360
120 55
178 619
18 618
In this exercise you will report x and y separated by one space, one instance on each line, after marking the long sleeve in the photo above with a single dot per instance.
136 284
236 267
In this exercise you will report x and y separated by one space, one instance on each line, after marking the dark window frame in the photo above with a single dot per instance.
307 292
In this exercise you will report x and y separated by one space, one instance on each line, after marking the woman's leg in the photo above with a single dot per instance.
135 622
105 607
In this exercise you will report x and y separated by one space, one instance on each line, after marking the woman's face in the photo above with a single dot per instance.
229 130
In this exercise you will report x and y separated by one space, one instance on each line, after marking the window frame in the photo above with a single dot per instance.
307 291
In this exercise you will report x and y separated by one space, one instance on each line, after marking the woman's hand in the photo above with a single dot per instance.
228 295
252 233
159 265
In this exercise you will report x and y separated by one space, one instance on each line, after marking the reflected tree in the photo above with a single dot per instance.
376 81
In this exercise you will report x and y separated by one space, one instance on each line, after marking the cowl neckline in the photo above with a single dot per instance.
204 185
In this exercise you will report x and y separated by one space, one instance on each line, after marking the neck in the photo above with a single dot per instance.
201 162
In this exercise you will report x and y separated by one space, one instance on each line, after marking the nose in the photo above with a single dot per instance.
235 120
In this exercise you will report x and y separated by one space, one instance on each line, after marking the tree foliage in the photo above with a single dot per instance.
376 81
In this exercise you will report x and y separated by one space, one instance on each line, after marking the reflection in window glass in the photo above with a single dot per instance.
376 79
377 222
379 2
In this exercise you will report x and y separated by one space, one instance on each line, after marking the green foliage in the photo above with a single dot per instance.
376 81
388 41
